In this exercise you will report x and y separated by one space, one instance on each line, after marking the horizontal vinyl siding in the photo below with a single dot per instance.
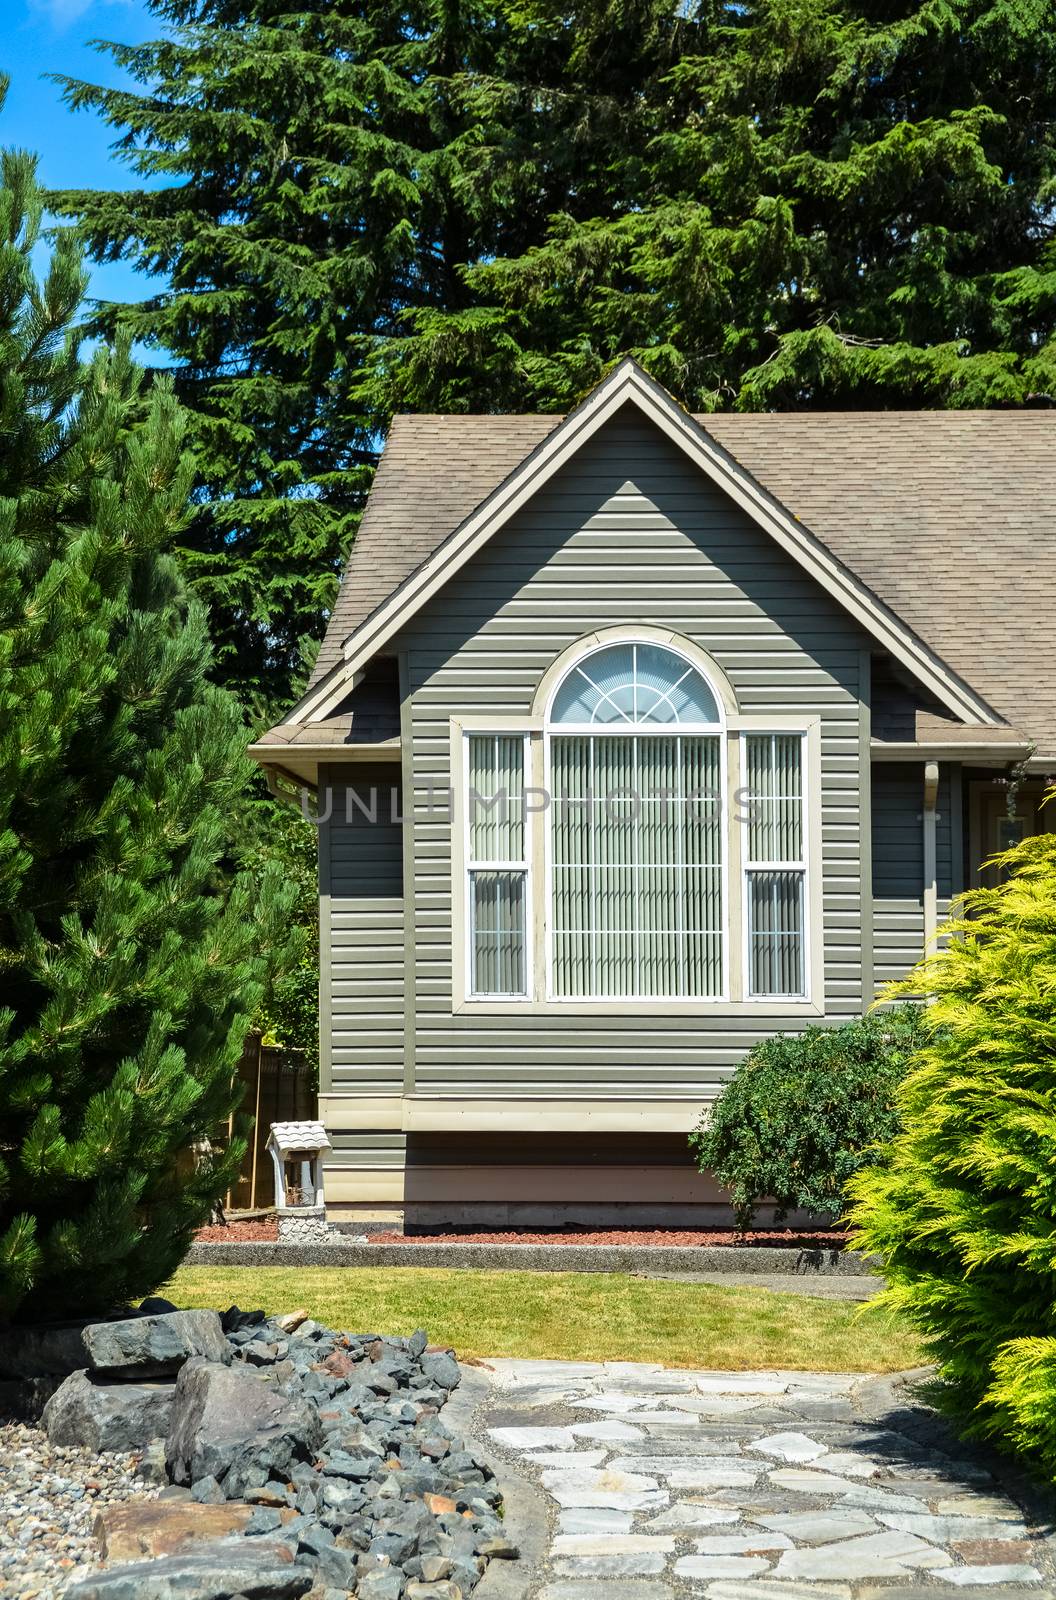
898 865
629 533
366 936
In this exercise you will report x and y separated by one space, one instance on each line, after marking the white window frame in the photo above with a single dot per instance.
802 866
533 727
469 867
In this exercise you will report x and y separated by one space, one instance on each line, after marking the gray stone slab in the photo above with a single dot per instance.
616 1544
808 1480
573 1458
608 1431
791 1447
716 1474
662 1465
594 1520
705 1567
875 1555
757 1543
687 1515
619 1491
820 1527
779 1589
592 1589
976 1577
874 1497
941 1530
979 1505
642 1565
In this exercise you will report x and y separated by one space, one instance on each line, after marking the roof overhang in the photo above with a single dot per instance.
629 384
298 764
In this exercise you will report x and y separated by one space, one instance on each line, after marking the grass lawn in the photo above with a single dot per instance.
575 1316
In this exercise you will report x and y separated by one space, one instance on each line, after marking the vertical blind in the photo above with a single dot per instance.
775 875
497 866
636 866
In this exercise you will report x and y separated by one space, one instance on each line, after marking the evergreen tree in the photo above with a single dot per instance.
129 963
963 1207
332 168
837 203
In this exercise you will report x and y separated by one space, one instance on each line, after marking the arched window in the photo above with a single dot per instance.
637 855
634 684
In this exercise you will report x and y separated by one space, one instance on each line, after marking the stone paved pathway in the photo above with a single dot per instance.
756 1486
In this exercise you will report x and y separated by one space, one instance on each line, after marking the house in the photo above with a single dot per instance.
636 737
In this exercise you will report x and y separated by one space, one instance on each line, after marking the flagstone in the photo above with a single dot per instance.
805 1481
611 1566
605 1430
847 1464
979 1505
967 1577
603 1544
819 1527
792 1447
594 1520
689 1514
741 1544
720 1566
713 1475
942 1529
662 1466
530 1438
745 1382
567 1458
874 1555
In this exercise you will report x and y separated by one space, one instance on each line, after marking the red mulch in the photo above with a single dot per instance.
257 1232
263 1231
635 1236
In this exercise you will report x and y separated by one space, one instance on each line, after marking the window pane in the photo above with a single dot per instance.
775 797
496 798
636 836
498 932
634 684
775 933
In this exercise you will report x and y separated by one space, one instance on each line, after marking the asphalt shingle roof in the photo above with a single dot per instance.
948 516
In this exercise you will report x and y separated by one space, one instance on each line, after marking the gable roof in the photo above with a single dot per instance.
942 523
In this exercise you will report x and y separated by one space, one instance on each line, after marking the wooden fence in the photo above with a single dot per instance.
278 1089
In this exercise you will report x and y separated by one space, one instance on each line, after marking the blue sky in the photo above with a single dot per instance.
41 36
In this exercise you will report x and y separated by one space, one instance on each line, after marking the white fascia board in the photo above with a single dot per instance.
626 383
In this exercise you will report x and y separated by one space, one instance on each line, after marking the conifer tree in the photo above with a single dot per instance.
130 963
833 204
963 1207
329 167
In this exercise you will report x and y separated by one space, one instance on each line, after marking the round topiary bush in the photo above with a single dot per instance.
805 1112
963 1209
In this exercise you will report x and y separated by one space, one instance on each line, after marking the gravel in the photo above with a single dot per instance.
49 1495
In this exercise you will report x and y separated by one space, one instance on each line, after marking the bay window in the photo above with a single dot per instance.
643 882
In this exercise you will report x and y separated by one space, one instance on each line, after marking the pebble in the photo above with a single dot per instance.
49 1496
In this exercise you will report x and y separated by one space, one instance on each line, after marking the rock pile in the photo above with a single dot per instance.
296 1461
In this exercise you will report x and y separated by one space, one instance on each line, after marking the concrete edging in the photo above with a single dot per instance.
524 1512
762 1259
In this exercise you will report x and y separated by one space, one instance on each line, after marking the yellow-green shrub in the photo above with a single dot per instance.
963 1208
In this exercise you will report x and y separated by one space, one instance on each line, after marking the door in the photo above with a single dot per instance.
997 831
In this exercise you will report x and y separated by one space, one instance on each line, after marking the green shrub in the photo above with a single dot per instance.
804 1112
963 1210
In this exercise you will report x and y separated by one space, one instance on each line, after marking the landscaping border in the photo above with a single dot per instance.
753 1259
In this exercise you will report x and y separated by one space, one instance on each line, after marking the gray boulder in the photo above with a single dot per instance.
441 1369
258 1569
108 1416
154 1346
229 1424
